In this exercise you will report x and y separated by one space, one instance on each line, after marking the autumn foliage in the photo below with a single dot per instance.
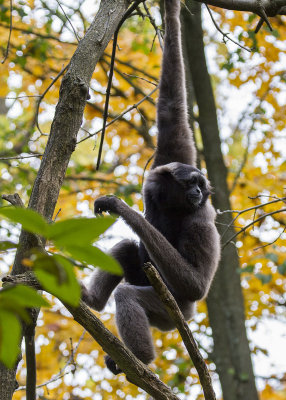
250 96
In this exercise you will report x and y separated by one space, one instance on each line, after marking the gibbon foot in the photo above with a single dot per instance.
111 365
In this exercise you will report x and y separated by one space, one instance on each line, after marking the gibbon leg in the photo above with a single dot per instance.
103 283
100 288
138 307
132 321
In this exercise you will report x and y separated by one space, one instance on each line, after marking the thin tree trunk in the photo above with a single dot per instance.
62 139
225 300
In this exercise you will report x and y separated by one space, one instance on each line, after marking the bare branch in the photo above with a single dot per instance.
120 115
13 199
252 223
157 30
63 371
143 79
131 66
10 33
105 114
271 8
240 212
38 34
269 244
68 19
182 326
225 35
136 372
20 157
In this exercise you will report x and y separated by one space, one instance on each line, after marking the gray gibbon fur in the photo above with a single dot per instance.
178 234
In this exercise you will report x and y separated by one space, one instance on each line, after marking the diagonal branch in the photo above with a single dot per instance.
136 372
182 326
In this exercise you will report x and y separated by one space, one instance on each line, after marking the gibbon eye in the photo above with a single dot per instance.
192 181
202 183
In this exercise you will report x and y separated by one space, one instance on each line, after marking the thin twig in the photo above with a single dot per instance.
10 33
246 210
68 19
252 223
38 34
137 88
269 244
133 67
22 96
120 115
157 30
266 195
62 372
225 35
105 114
140 77
57 214
145 168
20 157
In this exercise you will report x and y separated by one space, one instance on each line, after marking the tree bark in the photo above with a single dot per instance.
225 300
62 139
270 7
136 372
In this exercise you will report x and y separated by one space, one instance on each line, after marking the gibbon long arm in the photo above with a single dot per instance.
175 138
188 275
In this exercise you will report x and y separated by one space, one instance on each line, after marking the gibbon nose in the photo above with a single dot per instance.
196 191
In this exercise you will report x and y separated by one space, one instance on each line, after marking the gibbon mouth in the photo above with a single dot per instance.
195 198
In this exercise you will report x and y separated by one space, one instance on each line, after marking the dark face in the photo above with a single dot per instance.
177 186
196 186
197 190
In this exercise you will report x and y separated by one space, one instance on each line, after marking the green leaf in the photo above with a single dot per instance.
49 264
78 230
29 219
68 289
282 268
10 333
264 278
6 245
248 268
93 256
24 296
252 17
272 256
16 309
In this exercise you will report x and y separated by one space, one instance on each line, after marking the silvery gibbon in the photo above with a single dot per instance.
178 234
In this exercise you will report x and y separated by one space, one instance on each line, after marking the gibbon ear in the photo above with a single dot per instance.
170 168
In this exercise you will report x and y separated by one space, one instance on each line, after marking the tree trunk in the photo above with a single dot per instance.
62 139
225 300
